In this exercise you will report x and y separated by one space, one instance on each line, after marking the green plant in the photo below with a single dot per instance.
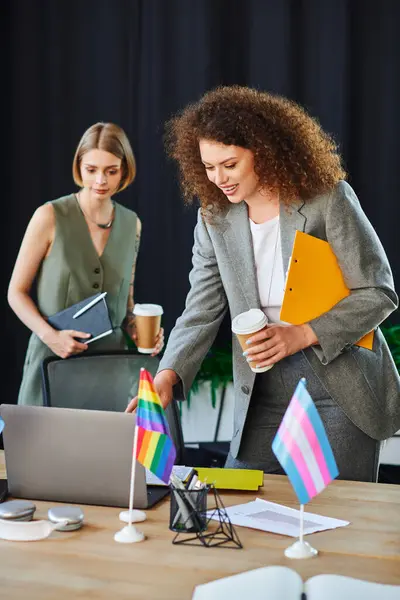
392 336
217 369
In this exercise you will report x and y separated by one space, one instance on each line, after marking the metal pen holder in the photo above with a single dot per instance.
188 510
195 525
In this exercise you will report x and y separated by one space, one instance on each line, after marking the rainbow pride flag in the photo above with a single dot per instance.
155 449
302 447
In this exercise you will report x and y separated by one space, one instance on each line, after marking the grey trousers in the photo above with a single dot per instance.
356 454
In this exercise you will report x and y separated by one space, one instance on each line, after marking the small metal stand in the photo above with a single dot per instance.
196 519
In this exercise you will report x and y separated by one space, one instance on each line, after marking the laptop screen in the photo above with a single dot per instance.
71 455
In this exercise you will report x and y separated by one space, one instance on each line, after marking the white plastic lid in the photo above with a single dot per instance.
249 322
148 310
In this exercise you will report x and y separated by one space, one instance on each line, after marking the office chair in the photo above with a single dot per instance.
103 381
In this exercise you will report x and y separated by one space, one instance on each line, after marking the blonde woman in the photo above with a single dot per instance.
74 247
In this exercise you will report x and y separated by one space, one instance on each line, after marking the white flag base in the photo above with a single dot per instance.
132 516
129 535
300 550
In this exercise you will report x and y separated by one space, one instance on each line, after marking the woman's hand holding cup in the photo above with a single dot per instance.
277 341
147 332
247 326
159 340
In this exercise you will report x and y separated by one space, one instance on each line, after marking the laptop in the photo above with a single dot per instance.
73 456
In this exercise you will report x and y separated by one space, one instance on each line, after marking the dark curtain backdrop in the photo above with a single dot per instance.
136 62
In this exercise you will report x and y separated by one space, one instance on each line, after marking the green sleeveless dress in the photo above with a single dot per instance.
74 271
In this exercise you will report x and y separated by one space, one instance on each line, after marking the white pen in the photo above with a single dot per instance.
89 305
192 484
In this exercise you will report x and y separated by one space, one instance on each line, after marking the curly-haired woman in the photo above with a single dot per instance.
262 169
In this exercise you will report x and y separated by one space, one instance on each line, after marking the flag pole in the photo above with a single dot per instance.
132 515
129 534
303 450
301 523
131 512
300 548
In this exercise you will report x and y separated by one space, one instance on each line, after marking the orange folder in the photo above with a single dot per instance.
314 283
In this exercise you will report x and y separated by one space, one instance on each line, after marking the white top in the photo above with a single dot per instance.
268 257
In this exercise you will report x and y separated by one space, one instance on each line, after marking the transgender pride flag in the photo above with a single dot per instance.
302 447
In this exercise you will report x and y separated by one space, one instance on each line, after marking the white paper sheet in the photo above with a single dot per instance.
276 518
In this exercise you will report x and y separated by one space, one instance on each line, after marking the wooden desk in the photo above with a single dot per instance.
89 564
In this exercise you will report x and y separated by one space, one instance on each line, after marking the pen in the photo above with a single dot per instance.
184 512
185 506
192 484
89 305
191 476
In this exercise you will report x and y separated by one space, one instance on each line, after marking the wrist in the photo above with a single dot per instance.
46 334
309 337
128 322
168 375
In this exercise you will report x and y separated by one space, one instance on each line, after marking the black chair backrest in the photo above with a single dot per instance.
102 381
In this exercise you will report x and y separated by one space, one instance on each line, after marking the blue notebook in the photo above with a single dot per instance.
89 315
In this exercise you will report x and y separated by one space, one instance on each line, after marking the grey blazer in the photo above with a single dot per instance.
364 383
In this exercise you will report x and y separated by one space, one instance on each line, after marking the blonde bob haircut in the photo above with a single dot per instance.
111 138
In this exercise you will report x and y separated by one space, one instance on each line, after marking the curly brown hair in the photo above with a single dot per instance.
292 154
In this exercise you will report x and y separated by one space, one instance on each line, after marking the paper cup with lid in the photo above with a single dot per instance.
147 324
247 324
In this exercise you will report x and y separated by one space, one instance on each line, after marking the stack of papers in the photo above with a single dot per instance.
277 518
